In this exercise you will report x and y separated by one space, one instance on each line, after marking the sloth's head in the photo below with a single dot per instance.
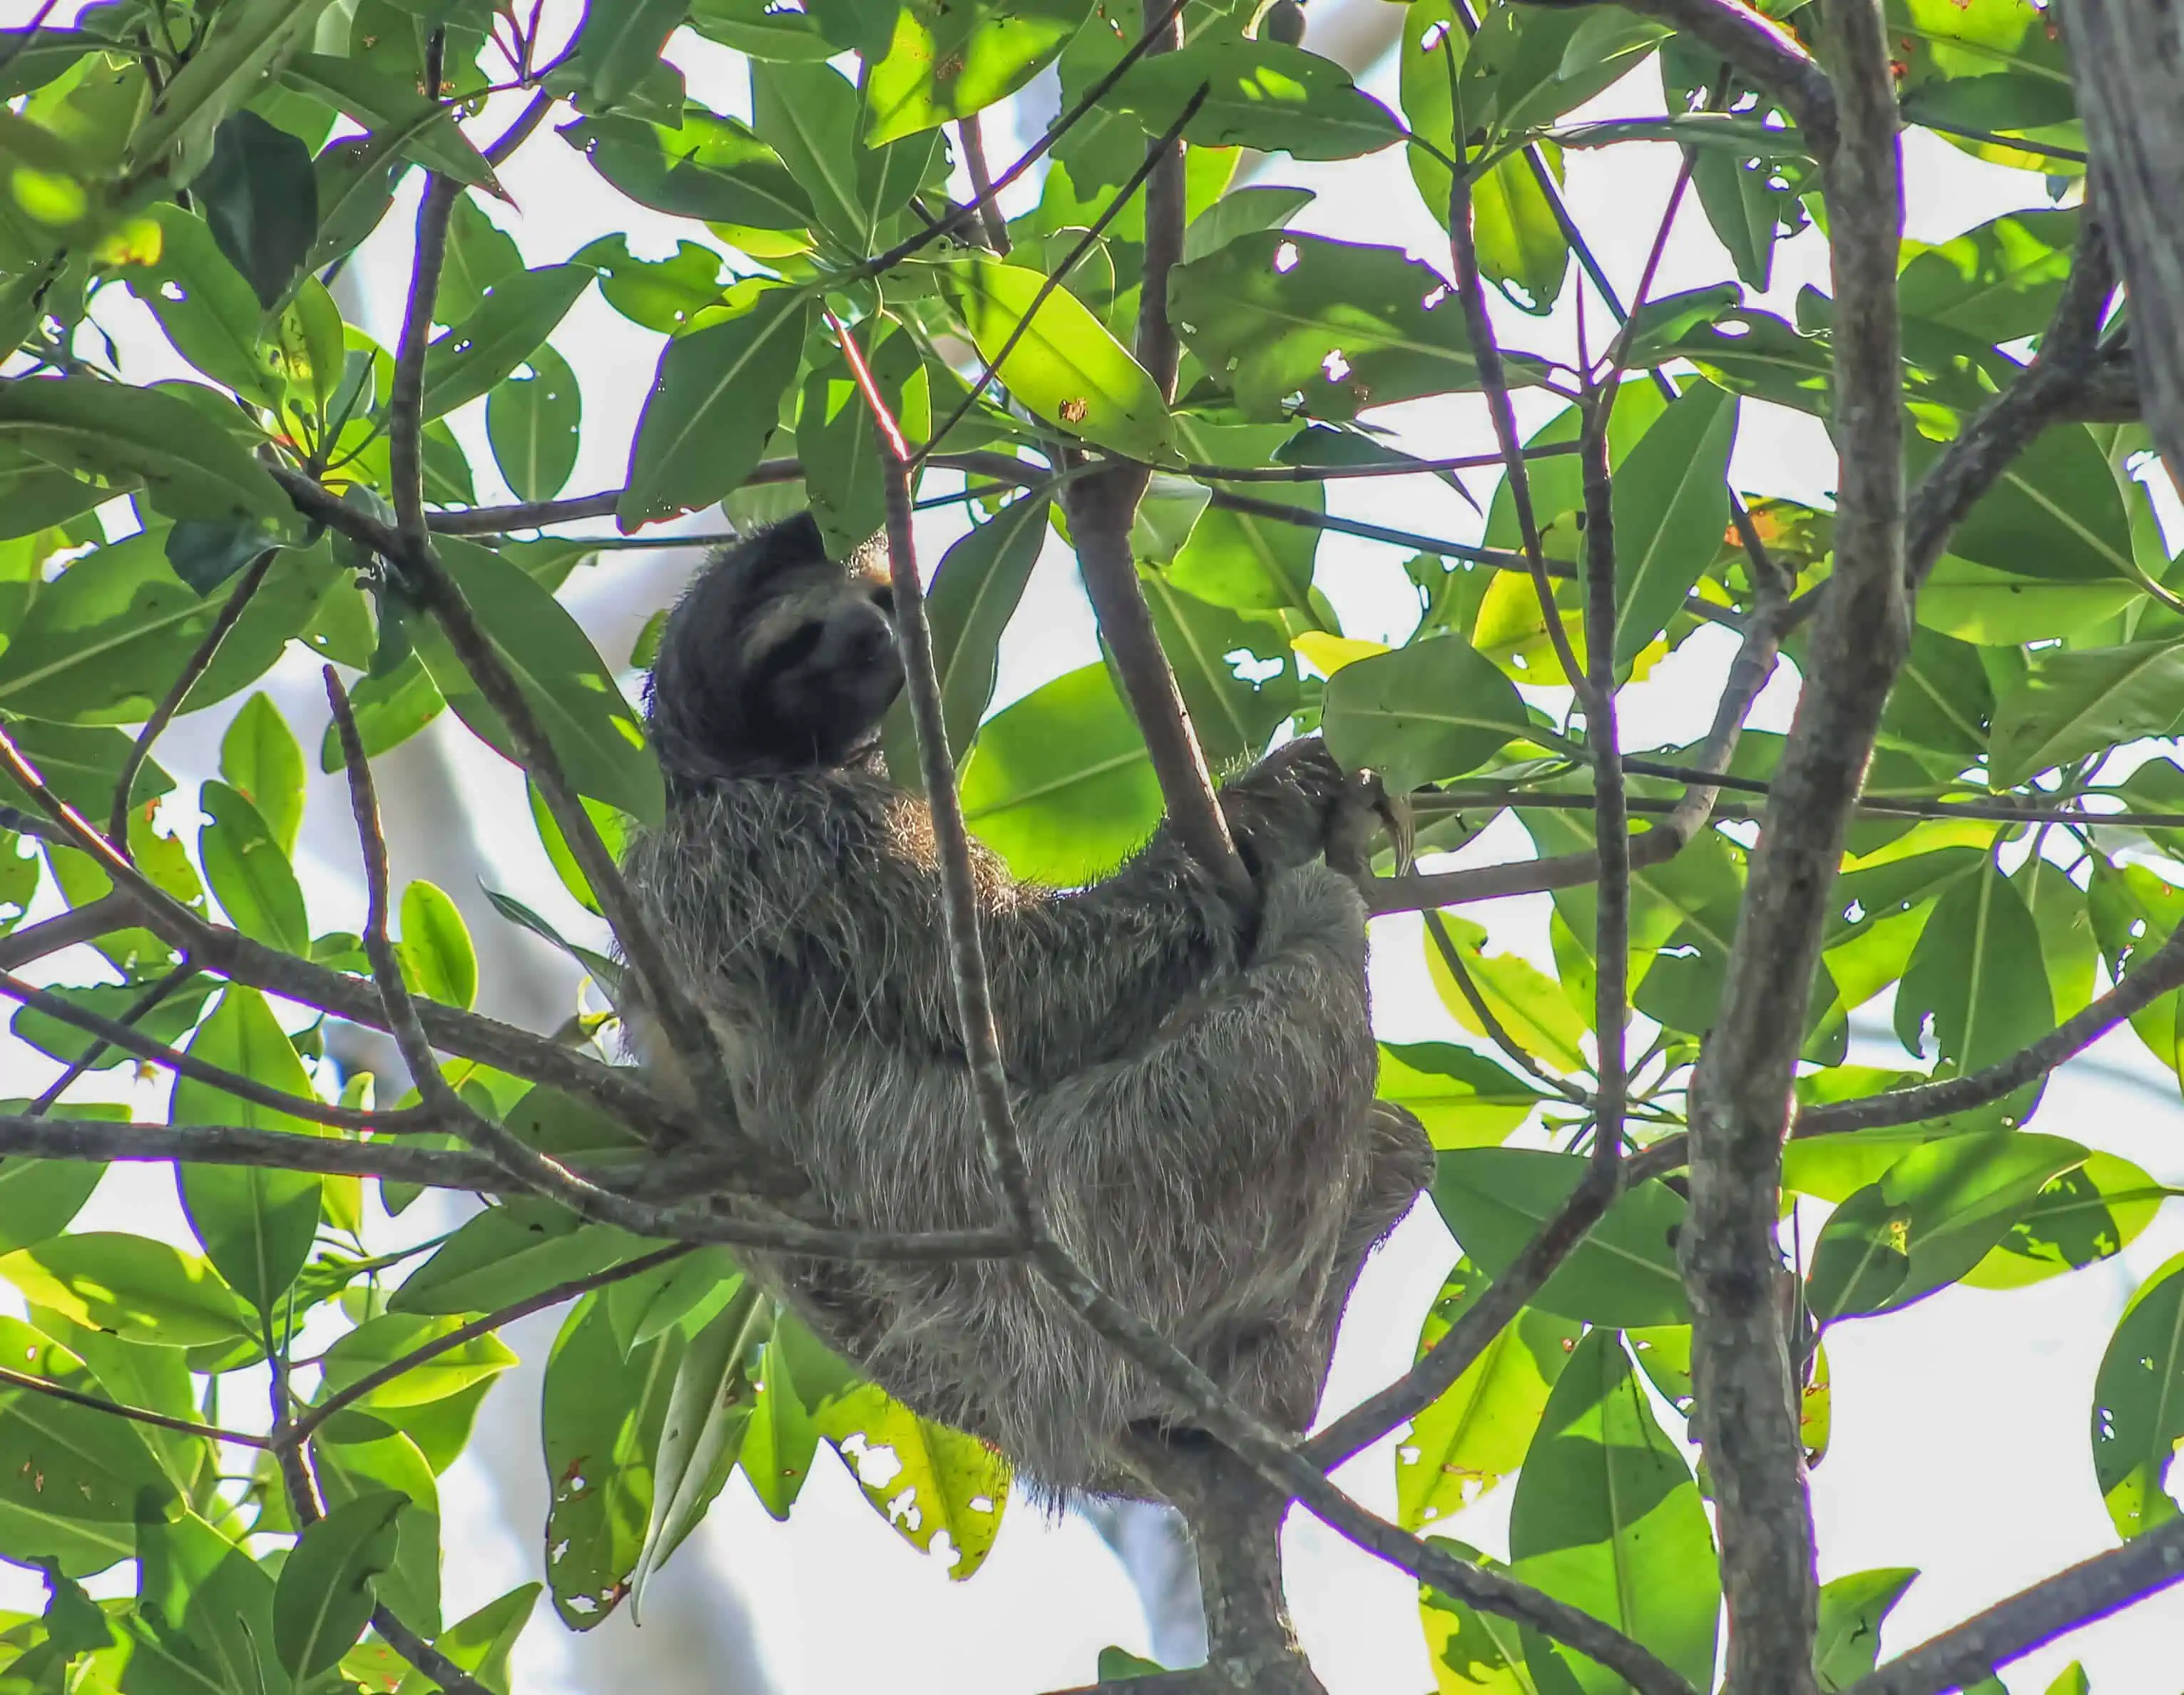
777 658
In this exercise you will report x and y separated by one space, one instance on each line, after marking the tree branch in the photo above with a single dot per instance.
2093 1589
100 1140
141 1415
139 1008
1747 1411
1611 951
69 929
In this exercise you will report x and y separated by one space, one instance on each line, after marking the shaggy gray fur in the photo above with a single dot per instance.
1194 1079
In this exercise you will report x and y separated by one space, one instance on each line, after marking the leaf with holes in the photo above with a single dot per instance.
508 326
386 106
2073 702
249 873
2138 1405
952 61
712 167
534 421
1259 94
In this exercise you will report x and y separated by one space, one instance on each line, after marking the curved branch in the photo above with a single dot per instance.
2077 1596
101 1141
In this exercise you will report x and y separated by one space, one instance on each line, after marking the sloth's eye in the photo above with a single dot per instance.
883 599
794 650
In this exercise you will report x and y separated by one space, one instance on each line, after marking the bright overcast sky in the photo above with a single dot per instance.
1960 1426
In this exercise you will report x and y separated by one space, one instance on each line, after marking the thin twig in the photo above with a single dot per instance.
990 217
517 133
1490 1022
238 601
307 1423
137 1009
406 400
1611 904
140 1415
103 1141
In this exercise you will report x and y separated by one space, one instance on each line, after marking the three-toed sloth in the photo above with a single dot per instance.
1193 1068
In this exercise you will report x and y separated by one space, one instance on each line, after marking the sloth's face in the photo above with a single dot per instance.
824 669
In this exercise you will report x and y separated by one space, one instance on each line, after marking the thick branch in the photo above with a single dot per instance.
101 1142
1611 951
1746 1415
69 929
2129 63
2090 1590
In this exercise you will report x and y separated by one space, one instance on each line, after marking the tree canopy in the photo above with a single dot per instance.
1976 822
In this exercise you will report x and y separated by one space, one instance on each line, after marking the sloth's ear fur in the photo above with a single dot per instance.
777 658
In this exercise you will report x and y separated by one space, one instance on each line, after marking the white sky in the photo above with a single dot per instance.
1960 1426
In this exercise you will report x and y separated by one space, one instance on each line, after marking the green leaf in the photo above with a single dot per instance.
1996 610
975 591
714 401
712 167
1998 281
509 1253
260 759
250 873
1463 1098
1435 710
1065 366
1494 1199
38 1198
482 1642
262 201
387 106
1529 1005
437 959
1607 1517
510 325
256 1223
1345 326
1942 700
1671 505
169 1021
602 1416
701 1437
2054 514
209 309
204 1618
132 1286
389 710
125 434
1852 1610
568 688
926 1479
620 41
63 1456
2138 1405
2083 1216
325 1592
534 421
82 766
226 65
836 441
1234 716
1245 560
2073 702
1975 973
1477 1433
953 61
1244 211
812 117
1059 784
381 1342
1260 94
781 1441
1932 1217
1522 248
350 1469
1472 1653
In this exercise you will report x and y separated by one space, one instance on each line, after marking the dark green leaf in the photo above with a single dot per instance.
206 555
1671 504
1494 1199
619 43
514 318
1433 710
2076 702
204 1618
262 201
1234 716
71 1458
82 766
2054 512
169 1021
326 1589
2084 1215
34 496
602 1416
124 434
1260 94
711 167
701 1437
714 402
569 689
385 105
389 710
533 420
661 294
1241 211
1975 973
1346 326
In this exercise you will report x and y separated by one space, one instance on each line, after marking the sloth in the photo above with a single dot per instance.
1192 1070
